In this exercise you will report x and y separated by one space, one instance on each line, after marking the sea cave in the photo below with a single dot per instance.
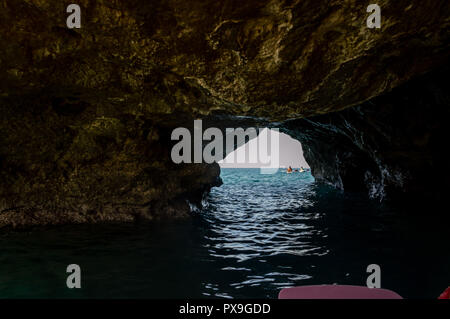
87 116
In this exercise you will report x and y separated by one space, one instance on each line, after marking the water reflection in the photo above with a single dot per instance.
256 235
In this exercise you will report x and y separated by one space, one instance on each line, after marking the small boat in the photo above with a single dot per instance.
336 292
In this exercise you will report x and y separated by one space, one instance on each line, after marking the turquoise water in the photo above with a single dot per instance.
257 234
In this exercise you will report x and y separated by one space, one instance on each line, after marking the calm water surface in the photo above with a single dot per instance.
257 234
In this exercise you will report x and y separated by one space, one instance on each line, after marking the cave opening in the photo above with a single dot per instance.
290 153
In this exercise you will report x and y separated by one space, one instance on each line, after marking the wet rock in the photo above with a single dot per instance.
86 114
390 147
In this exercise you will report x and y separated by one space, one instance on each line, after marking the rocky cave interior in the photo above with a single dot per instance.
87 113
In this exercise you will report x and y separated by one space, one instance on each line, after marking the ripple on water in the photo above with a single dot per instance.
256 235
256 216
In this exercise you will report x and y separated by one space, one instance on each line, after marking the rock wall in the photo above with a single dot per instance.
86 114
392 146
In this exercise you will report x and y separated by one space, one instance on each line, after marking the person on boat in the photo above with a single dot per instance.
301 169
289 170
